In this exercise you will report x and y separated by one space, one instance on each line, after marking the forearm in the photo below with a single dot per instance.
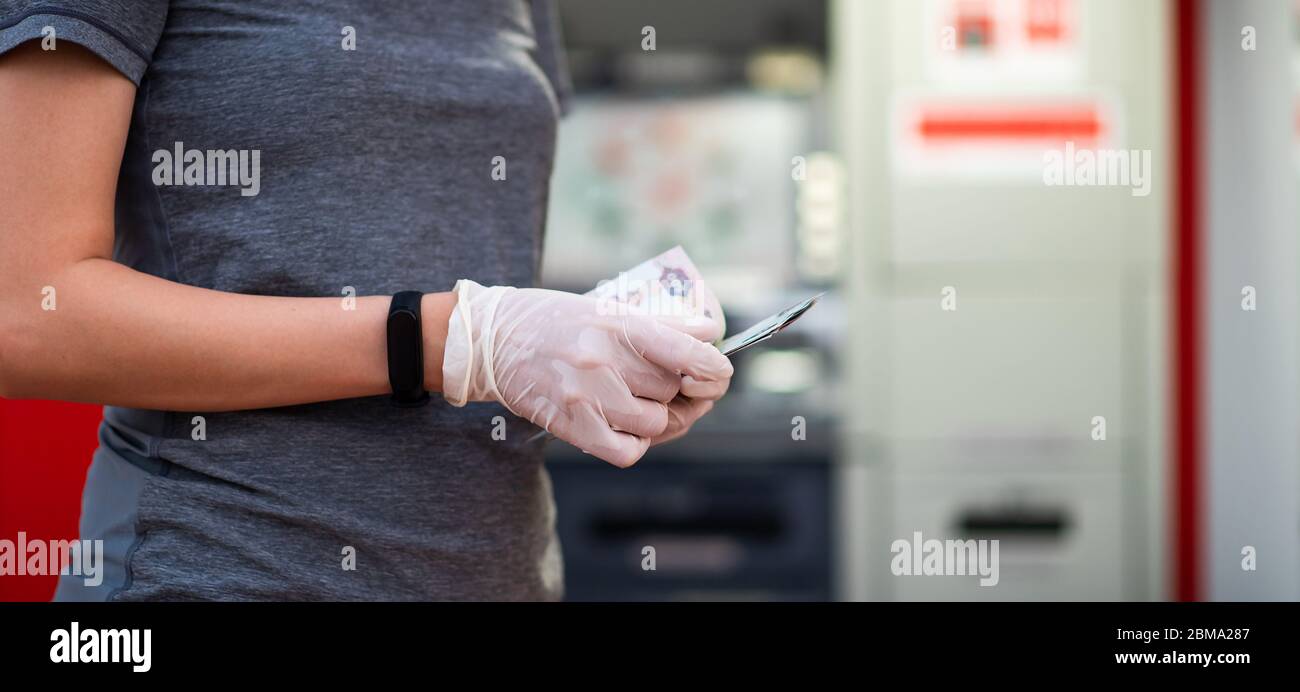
120 337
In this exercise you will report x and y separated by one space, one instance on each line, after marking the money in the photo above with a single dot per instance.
668 284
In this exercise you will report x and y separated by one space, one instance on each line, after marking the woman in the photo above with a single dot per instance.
214 213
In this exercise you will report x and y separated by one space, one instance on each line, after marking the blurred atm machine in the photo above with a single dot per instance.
692 144
1007 337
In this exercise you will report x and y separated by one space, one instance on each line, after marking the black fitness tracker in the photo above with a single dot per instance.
406 350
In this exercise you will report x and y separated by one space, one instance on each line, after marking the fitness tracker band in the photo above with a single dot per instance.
406 350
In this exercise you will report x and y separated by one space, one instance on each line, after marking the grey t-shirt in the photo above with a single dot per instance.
378 128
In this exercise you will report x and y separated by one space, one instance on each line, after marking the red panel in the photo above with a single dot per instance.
1185 443
1058 124
45 448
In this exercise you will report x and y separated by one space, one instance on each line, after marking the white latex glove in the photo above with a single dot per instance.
597 380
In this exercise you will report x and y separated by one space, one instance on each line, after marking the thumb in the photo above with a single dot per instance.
677 350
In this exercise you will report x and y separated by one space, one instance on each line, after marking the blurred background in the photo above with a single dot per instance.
1067 369
892 152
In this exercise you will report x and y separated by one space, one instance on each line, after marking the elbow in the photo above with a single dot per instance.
8 376
7 389
16 357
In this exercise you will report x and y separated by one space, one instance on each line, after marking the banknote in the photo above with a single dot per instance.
670 284
667 284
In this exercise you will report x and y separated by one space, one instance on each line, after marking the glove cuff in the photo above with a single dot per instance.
467 357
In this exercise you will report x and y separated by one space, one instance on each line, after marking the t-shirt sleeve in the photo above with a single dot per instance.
122 32
550 51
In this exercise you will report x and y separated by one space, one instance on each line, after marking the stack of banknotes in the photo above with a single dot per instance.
668 284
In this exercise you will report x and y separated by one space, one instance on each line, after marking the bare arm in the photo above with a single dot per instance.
121 337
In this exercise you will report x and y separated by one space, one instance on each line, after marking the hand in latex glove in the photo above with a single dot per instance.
599 381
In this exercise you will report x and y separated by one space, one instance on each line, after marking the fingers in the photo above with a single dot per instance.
703 329
682 414
649 381
640 417
704 389
674 350
618 448
587 429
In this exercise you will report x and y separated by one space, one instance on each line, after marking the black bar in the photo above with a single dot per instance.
938 638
